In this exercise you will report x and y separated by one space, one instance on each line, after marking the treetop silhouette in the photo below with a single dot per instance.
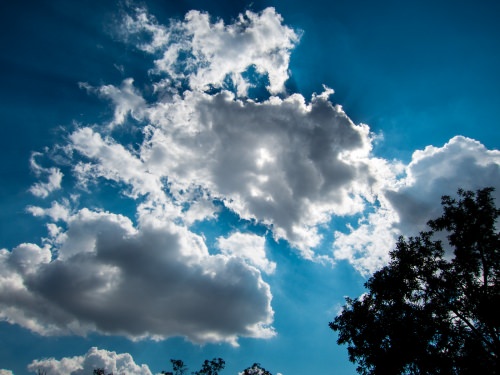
434 309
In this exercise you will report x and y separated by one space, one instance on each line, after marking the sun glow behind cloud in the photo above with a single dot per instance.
286 162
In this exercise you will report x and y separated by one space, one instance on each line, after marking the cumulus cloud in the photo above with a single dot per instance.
250 247
284 162
114 162
460 163
95 358
207 54
154 281
406 206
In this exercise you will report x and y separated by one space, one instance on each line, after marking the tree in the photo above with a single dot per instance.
101 371
211 367
178 366
434 309
208 368
256 369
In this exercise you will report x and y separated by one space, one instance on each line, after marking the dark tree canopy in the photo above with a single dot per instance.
431 310
208 367
211 367
178 366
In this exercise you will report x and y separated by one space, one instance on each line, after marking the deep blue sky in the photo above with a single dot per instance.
417 72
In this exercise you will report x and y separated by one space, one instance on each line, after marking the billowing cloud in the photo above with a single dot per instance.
95 358
406 206
154 281
249 247
114 162
207 54
283 162
460 163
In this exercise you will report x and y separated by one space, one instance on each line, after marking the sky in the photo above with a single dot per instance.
198 179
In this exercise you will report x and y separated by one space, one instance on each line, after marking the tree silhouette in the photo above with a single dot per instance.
211 367
434 309
208 368
101 371
178 366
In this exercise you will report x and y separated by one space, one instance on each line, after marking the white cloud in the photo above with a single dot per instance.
57 211
286 163
126 100
435 171
367 246
250 247
95 358
283 162
216 51
114 162
154 281
407 205
6 372
54 178
200 209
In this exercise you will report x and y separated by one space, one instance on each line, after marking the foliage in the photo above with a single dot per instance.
208 368
434 309
211 367
101 371
256 369
178 367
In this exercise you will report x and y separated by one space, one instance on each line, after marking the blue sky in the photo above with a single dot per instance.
179 180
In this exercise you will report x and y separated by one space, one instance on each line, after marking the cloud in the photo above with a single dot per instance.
156 281
206 54
54 178
114 162
249 247
95 358
284 162
435 171
406 206
126 99
56 212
